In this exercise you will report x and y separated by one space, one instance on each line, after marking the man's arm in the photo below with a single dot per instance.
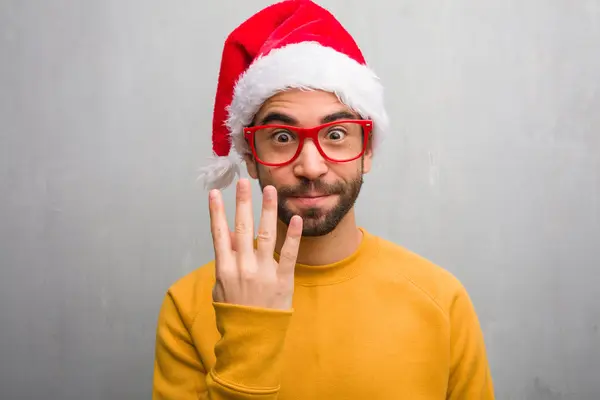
470 376
248 355
252 298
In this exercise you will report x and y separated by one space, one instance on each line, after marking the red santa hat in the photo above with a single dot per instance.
291 44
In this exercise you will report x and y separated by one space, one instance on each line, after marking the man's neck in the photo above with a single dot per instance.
326 249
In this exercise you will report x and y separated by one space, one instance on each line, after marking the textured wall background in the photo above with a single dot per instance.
493 172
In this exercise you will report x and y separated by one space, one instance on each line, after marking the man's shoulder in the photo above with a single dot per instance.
192 293
425 276
202 276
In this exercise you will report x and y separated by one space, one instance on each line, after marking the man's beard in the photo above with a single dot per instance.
318 222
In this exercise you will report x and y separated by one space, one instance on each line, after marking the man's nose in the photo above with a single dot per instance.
310 164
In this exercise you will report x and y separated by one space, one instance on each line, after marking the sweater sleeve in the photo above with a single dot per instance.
248 355
470 376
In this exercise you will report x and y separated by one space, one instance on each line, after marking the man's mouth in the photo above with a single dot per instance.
309 200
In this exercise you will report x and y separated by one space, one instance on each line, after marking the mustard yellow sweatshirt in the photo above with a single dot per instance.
383 324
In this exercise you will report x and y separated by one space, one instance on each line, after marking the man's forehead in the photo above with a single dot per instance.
304 104
302 97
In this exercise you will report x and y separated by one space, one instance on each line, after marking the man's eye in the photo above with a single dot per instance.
336 134
283 137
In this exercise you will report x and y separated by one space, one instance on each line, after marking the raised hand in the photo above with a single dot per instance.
248 276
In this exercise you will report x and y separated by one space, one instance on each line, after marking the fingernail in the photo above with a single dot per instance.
213 194
296 220
268 193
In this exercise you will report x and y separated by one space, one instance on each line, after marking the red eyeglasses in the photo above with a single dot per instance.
339 141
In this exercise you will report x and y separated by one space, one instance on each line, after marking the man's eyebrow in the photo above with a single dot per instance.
277 117
287 120
337 116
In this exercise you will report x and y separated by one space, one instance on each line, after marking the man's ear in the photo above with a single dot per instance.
251 166
368 156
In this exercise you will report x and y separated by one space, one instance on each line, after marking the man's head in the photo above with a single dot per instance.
318 189
294 64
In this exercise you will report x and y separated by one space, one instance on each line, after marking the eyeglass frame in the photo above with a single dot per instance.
309 133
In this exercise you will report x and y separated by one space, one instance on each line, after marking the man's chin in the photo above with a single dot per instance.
311 215
317 227
315 221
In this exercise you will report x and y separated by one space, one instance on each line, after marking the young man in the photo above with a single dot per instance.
313 307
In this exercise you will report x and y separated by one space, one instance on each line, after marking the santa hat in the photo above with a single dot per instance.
291 44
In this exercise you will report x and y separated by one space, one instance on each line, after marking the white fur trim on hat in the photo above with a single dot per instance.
306 65
220 171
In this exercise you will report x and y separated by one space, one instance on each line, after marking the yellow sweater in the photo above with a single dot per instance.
383 324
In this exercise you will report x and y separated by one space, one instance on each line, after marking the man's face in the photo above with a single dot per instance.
320 191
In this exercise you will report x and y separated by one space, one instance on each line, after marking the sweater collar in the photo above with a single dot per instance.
340 271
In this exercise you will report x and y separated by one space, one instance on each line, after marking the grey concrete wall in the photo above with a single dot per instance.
493 171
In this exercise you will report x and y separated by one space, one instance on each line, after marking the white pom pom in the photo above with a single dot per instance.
220 172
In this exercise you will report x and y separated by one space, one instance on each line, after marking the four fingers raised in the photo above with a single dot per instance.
244 275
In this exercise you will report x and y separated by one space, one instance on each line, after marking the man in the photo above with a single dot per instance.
313 307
